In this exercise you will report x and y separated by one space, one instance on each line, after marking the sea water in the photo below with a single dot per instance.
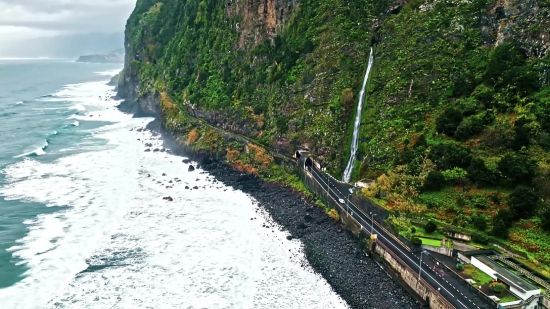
83 222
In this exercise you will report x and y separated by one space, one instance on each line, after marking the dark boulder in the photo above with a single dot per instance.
191 168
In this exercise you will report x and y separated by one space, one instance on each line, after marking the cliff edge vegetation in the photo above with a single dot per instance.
456 125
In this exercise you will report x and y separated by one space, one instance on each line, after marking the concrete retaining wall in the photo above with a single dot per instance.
457 235
441 250
409 277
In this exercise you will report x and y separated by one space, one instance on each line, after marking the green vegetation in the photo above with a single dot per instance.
477 275
497 287
456 128
508 298
422 233
430 242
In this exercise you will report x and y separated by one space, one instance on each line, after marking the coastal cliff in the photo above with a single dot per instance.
456 114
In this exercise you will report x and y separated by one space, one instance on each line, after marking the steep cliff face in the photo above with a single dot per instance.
280 71
459 93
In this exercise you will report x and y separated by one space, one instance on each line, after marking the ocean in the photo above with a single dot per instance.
83 222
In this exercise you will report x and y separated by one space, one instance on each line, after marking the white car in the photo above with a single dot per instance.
341 201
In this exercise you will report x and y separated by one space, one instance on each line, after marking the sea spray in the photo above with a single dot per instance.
357 124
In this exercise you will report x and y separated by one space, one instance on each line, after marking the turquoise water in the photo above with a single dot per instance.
35 123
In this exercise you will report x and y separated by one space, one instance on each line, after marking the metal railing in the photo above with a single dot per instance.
521 270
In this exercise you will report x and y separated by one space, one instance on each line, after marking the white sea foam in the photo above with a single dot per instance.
108 73
78 107
19 103
35 150
75 123
120 245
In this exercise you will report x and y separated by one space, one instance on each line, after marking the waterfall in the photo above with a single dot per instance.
357 124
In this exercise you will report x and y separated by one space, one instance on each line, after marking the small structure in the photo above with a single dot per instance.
364 183
305 159
526 291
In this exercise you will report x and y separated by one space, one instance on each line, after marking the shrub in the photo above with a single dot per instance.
480 223
333 214
449 121
193 136
346 99
479 173
469 127
416 241
497 287
480 239
430 227
434 181
523 202
454 175
459 266
516 168
449 155
232 155
413 230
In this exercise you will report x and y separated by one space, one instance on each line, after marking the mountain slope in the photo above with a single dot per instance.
458 97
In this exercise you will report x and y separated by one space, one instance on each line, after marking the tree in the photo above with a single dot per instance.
479 173
480 239
517 169
421 142
434 181
501 223
523 202
454 175
545 220
449 155
449 121
521 138
459 266
430 227
469 127
480 223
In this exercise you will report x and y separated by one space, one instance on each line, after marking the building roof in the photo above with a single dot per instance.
507 276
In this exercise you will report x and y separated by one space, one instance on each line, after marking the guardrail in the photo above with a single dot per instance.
321 190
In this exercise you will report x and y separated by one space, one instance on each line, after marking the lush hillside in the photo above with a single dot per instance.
457 122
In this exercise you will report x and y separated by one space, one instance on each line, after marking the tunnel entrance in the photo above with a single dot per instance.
309 163
298 155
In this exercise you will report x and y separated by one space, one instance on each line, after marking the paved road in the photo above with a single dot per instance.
455 293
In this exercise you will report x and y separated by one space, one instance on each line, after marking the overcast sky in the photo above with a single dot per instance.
23 19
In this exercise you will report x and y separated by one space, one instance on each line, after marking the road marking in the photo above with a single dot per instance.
425 273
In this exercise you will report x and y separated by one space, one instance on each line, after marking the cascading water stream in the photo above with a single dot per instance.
357 124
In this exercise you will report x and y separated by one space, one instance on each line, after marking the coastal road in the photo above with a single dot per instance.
456 294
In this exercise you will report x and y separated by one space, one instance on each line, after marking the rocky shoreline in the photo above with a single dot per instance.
331 251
